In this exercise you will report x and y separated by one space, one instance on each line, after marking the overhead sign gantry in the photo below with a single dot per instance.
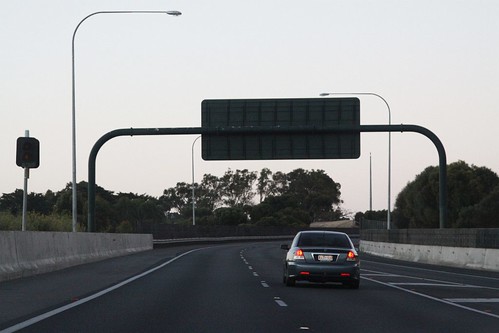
316 128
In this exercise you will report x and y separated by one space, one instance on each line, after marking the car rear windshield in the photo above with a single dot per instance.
323 240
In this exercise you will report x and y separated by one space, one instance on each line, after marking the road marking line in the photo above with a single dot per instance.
281 303
54 312
437 282
473 300
255 274
432 298
431 270
428 284
264 284
250 267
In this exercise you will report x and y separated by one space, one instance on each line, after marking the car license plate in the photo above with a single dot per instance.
324 257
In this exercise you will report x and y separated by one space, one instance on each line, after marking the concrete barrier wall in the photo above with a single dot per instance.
464 257
464 237
28 253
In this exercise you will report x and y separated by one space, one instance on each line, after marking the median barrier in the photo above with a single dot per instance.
158 243
25 253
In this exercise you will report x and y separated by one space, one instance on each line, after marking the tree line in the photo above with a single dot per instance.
237 197
263 198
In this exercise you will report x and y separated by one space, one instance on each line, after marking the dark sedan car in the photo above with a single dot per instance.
322 256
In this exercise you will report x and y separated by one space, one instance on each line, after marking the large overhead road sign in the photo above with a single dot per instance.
263 115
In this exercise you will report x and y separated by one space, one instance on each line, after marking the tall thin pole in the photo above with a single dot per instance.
25 191
193 187
388 214
370 183
73 113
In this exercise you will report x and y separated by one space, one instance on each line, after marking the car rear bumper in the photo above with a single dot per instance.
323 273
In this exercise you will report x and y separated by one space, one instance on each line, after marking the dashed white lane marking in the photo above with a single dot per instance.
280 302
473 300
250 267
265 284
255 274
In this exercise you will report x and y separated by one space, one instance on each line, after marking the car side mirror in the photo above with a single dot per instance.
285 247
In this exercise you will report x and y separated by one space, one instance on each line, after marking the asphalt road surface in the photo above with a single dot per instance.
238 288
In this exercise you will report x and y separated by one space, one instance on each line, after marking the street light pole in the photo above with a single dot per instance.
73 113
370 183
388 215
193 196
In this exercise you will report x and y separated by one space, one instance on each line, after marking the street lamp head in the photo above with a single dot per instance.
174 13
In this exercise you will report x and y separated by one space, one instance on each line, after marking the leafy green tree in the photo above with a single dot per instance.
178 197
315 192
485 214
208 194
279 184
299 198
271 206
138 210
230 216
37 202
237 187
416 205
264 183
12 202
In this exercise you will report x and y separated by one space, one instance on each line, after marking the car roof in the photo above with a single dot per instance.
322 231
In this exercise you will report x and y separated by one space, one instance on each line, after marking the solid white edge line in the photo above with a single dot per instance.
473 300
433 298
54 312
438 282
432 270
423 284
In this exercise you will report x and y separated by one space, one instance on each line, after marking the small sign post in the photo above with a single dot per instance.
27 156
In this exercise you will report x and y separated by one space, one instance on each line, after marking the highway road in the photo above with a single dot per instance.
238 288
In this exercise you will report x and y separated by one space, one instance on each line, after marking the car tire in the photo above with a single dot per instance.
290 282
355 284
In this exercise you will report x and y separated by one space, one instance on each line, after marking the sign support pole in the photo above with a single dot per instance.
25 190
267 130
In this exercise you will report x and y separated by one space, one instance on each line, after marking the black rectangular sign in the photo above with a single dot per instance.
282 113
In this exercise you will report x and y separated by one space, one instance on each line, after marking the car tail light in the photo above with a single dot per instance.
304 273
351 256
299 254
344 274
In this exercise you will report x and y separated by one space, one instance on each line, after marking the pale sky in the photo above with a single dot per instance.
435 62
